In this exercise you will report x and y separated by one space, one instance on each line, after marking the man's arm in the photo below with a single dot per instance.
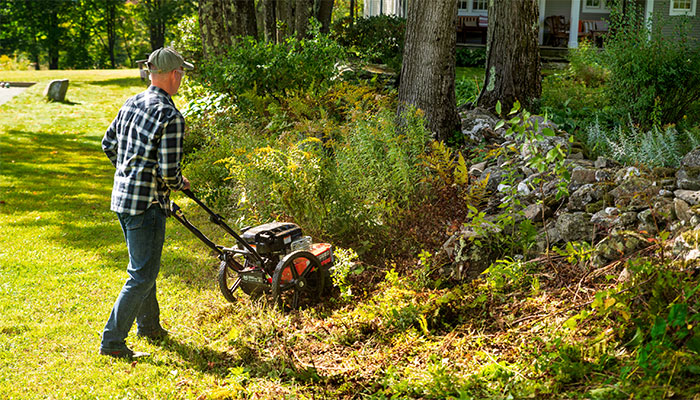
170 154
109 143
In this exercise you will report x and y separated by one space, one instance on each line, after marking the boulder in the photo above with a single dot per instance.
691 197
606 218
56 90
479 125
634 193
616 246
585 195
575 227
682 209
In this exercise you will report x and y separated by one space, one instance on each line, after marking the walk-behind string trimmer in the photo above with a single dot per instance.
273 258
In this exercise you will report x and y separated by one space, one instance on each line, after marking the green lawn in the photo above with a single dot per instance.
63 257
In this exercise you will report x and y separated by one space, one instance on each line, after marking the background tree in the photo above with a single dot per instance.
513 57
428 70
221 21
159 15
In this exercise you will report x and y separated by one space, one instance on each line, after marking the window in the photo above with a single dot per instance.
473 7
595 6
683 7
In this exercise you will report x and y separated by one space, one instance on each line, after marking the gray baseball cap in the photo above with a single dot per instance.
166 59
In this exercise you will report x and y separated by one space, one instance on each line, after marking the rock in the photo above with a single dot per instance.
603 162
56 90
580 176
468 260
478 125
524 189
688 178
691 197
495 177
533 212
477 169
626 173
665 193
585 195
575 227
606 218
627 219
634 193
617 245
682 209
686 246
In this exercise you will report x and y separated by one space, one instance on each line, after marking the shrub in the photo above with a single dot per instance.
344 189
467 57
378 39
653 147
274 69
466 91
653 78
15 63
585 65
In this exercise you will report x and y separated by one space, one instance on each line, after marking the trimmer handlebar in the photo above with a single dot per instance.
216 219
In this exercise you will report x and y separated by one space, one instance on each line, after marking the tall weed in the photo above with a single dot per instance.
653 78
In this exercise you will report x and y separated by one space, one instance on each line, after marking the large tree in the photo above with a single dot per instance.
158 15
513 58
222 21
428 70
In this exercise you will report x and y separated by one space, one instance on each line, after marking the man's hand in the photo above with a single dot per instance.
187 183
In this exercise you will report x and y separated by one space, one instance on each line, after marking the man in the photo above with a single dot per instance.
144 143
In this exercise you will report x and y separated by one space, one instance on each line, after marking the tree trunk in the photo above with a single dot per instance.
270 21
352 12
428 71
53 39
513 59
302 13
285 16
323 10
214 25
245 15
111 29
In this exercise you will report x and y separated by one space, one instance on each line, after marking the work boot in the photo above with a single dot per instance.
124 353
157 334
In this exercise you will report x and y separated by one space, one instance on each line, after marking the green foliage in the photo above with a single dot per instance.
653 78
466 90
343 187
14 63
467 57
586 64
188 40
377 39
630 145
274 69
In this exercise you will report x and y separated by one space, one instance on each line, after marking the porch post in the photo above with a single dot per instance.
648 13
573 28
543 3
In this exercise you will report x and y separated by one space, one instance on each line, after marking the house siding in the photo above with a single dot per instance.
663 7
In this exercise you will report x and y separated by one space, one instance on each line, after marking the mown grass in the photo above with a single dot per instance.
62 256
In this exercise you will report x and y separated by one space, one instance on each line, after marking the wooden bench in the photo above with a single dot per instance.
472 23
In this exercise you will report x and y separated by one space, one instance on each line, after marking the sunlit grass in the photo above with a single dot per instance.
62 254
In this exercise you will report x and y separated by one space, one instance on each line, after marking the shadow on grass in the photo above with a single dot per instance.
122 82
201 358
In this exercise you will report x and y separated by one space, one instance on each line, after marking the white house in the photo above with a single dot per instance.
562 22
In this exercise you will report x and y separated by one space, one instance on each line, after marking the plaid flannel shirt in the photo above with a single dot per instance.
144 143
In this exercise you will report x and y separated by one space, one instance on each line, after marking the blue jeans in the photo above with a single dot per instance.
144 234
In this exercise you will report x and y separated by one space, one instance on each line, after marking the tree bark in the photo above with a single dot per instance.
285 16
270 21
513 55
302 13
428 71
245 15
214 26
323 10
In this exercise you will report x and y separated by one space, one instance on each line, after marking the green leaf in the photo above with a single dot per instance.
659 328
498 107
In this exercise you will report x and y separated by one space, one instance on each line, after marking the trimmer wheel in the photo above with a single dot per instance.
297 279
230 281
